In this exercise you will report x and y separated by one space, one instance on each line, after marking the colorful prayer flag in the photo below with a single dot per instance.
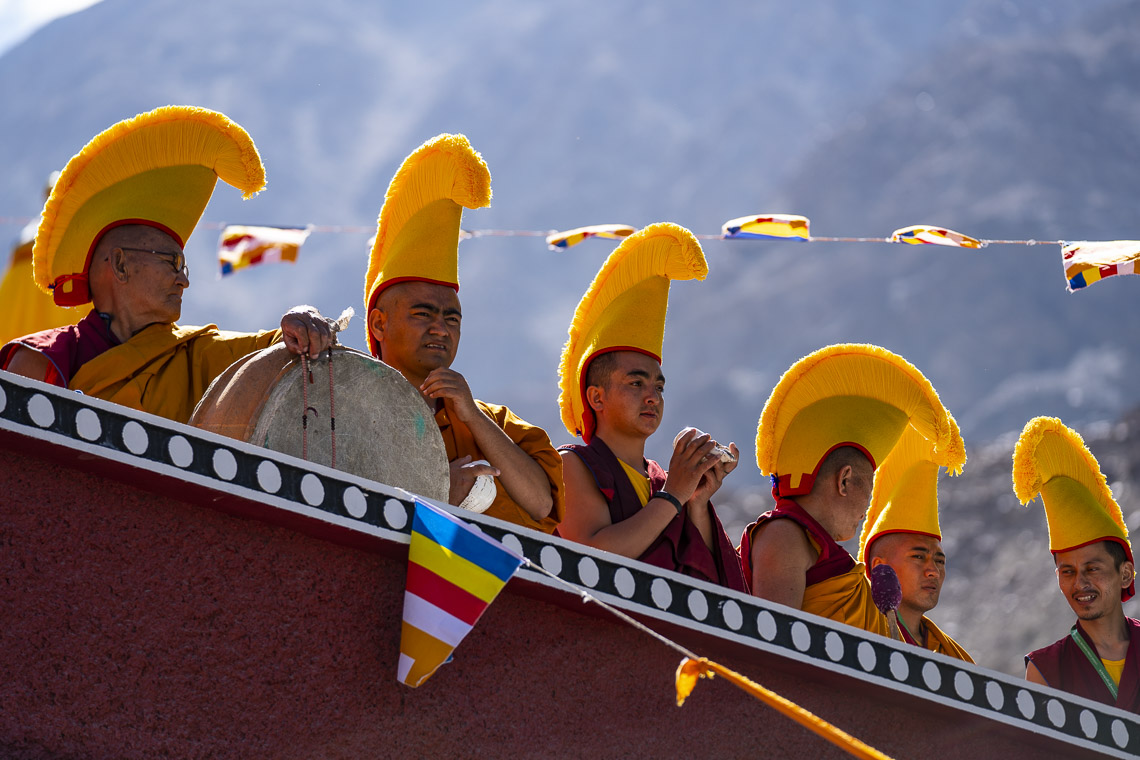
562 240
921 234
454 573
1087 262
766 227
240 246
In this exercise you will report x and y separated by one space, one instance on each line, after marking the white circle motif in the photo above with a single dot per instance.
135 438
396 513
766 625
1056 712
732 615
624 582
867 656
801 636
550 559
312 490
268 476
833 645
899 667
511 541
225 465
1025 704
180 451
87 424
964 685
698 605
660 593
994 695
932 676
41 411
1120 733
1088 723
588 571
356 505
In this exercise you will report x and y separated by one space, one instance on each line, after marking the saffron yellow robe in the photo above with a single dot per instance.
458 441
846 599
165 369
937 641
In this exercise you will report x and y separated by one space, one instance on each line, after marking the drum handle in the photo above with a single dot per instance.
306 380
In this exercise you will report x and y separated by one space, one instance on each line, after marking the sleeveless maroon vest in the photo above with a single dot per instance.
680 546
1064 666
67 348
833 559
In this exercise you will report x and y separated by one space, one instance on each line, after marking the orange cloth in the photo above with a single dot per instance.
846 598
937 641
458 441
165 369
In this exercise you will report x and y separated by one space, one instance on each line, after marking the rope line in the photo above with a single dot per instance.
783 705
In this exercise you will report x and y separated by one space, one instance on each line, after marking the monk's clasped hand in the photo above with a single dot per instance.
693 455
306 331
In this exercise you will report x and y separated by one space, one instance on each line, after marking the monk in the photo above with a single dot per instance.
1100 657
920 564
128 348
411 297
415 328
791 554
23 307
620 501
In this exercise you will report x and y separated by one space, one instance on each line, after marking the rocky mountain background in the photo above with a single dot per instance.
997 118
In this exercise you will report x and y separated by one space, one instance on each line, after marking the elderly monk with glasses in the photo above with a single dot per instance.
112 235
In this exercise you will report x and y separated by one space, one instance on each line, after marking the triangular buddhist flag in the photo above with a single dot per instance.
242 246
454 573
922 234
1087 262
766 227
559 241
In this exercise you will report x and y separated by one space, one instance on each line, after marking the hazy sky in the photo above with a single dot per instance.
19 18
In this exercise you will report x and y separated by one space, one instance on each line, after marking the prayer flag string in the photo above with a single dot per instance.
1084 262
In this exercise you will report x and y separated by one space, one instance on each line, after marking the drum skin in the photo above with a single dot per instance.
385 431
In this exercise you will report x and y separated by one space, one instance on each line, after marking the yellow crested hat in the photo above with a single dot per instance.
418 235
848 395
1053 461
905 496
624 310
158 168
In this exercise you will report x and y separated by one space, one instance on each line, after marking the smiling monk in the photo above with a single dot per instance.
612 396
414 319
902 530
111 234
1100 658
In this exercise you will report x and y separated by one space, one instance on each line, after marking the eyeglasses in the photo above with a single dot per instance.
177 260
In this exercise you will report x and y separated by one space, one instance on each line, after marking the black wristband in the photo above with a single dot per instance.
669 498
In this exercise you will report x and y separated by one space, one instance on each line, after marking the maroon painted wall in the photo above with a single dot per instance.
138 625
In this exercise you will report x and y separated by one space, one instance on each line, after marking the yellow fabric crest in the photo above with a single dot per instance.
418 235
849 394
1052 460
158 168
905 496
624 308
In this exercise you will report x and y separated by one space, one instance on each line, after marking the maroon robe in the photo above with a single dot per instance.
66 348
680 546
833 559
1064 666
